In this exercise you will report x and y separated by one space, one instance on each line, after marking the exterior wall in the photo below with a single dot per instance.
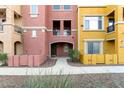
113 42
8 36
38 21
37 45
85 34
62 15
43 24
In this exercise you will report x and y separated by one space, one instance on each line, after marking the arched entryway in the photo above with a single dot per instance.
1 46
60 49
18 48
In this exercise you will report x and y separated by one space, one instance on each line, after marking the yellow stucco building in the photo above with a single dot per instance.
101 34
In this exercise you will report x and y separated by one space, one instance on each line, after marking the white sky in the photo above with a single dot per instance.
65 2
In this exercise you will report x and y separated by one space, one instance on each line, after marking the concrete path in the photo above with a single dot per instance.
62 68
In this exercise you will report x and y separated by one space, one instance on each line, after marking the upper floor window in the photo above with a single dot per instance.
33 10
56 7
67 7
93 23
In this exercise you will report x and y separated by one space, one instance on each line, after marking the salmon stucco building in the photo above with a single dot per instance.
101 34
45 30
49 30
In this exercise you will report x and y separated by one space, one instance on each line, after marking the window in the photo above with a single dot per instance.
111 22
94 47
34 10
34 33
67 7
56 7
93 23
66 48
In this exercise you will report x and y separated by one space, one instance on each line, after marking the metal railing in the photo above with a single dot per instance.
56 32
110 28
65 33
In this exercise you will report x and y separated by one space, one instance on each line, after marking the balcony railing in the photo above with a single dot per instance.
110 28
18 29
56 32
67 32
64 33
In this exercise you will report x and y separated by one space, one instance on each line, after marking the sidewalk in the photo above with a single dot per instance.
62 68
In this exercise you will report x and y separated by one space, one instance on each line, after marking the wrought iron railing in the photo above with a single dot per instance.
65 33
56 32
110 28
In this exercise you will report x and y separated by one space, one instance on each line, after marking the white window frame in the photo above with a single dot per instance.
67 9
33 14
56 9
86 45
34 33
93 16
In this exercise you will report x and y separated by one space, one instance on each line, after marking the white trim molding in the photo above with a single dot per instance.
84 18
35 27
94 39
110 39
93 15
119 22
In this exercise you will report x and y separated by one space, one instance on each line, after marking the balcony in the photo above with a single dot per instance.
18 29
61 36
59 33
110 28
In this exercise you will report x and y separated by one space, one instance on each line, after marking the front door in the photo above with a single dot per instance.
53 50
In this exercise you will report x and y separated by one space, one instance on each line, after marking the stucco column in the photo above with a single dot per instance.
9 16
44 40
119 14
8 31
119 42
62 27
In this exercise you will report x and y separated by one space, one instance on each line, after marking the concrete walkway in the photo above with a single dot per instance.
62 68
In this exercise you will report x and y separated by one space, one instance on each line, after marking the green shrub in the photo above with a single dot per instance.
74 55
3 58
48 82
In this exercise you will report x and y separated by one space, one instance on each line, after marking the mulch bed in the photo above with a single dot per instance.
48 63
77 81
79 64
76 63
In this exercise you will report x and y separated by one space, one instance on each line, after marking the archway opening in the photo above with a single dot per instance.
60 49
1 46
18 48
